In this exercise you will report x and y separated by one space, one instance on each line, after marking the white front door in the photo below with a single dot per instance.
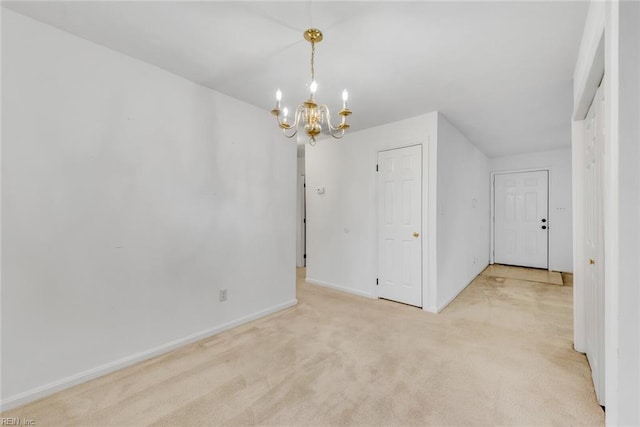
521 226
593 240
400 225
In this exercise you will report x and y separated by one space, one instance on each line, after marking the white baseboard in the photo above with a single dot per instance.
450 300
81 377
431 309
340 288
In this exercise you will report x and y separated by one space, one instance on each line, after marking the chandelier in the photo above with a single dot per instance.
310 113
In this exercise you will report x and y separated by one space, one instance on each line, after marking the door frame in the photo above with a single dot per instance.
597 56
600 350
492 252
423 247
301 221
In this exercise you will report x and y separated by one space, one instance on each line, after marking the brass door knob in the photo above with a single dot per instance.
416 234
592 261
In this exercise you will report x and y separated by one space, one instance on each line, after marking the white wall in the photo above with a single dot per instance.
341 223
560 205
301 164
130 198
463 212
628 179
620 22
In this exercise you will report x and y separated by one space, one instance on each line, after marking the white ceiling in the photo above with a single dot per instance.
500 71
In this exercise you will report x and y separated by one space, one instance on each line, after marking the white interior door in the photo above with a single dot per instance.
593 240
400 225
521 226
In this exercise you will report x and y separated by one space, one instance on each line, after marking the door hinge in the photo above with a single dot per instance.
376 281
376 168
304 221
305 256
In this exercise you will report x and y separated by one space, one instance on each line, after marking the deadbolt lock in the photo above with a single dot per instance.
592 261
416 234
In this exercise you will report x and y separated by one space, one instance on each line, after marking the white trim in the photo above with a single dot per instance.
594 77
588 61
340 288
492 217
589 65
430 243
89 374
433 310
493 202
300 220
450 300
577 185
602 23
611 206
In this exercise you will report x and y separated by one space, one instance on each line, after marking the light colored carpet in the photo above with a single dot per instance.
500 354
521 273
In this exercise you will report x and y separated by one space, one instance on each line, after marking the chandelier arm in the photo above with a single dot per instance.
325 110
290 126
337 135
335 131
290 135
298 115
296 121
285 127
281 124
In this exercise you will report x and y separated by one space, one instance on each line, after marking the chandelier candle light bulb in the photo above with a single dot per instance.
310 114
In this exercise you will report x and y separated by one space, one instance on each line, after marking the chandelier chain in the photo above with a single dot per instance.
313 54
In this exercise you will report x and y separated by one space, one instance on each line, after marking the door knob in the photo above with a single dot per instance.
544 220
592 261
416 234
544 227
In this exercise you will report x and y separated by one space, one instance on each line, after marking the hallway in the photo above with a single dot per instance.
500 354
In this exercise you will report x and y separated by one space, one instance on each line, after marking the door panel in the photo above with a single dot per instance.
594 252
521 205
400 225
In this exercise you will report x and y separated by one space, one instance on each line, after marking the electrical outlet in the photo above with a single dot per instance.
223 295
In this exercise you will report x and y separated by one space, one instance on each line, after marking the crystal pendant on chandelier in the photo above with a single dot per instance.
311 114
